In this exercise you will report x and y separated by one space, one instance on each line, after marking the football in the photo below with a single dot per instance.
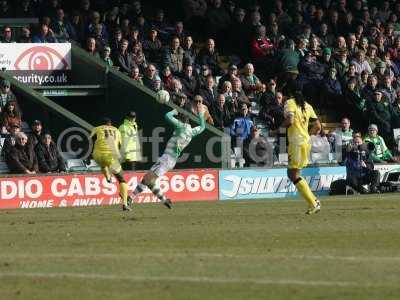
163 96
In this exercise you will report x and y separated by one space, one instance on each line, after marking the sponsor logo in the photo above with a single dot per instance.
250 186
93 189
40 58
274 183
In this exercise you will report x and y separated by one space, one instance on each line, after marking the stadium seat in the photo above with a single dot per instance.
283 159
332 158
93 166
3 168
76 165
237 158
67 155
320 158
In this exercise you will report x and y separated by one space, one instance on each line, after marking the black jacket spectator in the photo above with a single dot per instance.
9 140
152 48
360 167
220 113
21 159
209 95
124 59
35 136
49 159
380 112
217 19
189 82
190 52
209 56
273 114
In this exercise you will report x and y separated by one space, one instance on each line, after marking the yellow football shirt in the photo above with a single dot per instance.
108 140
298 131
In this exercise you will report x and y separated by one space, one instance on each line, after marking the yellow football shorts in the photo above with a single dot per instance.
107 160
298 155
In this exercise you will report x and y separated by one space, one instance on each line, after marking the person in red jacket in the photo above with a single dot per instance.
261 48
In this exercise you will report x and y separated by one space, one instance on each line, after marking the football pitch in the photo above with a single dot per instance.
225 250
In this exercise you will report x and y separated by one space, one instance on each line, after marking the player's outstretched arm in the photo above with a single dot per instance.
170 118
199 129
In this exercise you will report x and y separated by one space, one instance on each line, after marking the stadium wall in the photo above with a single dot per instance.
91 189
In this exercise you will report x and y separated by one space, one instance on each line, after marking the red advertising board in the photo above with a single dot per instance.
92 189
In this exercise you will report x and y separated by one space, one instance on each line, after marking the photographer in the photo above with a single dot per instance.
360 167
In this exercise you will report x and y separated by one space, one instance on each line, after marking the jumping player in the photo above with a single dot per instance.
183 134
298 115
107 142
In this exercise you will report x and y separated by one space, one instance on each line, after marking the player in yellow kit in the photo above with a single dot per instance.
298 116
107 155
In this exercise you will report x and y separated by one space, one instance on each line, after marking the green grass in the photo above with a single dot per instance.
226 250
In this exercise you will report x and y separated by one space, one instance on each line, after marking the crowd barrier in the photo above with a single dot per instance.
91 189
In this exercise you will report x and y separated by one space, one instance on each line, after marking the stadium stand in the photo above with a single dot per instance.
341 53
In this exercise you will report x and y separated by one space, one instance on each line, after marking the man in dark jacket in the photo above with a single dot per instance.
380 113
189 82
36 135
209 56
209 92
49 158
220 113
9 141
273 114
22 158
332 89
124 59
360 167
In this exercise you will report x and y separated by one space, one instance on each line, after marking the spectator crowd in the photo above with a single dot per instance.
241 58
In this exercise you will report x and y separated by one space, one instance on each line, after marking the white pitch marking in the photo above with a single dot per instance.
198 255
214 280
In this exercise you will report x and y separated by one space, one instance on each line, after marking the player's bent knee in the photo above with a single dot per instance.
149 179
293 175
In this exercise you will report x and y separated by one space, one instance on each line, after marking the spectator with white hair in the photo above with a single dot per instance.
250 82
22 159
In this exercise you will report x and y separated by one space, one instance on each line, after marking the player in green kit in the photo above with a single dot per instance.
182 136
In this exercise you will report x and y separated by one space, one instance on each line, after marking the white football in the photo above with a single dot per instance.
162 96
